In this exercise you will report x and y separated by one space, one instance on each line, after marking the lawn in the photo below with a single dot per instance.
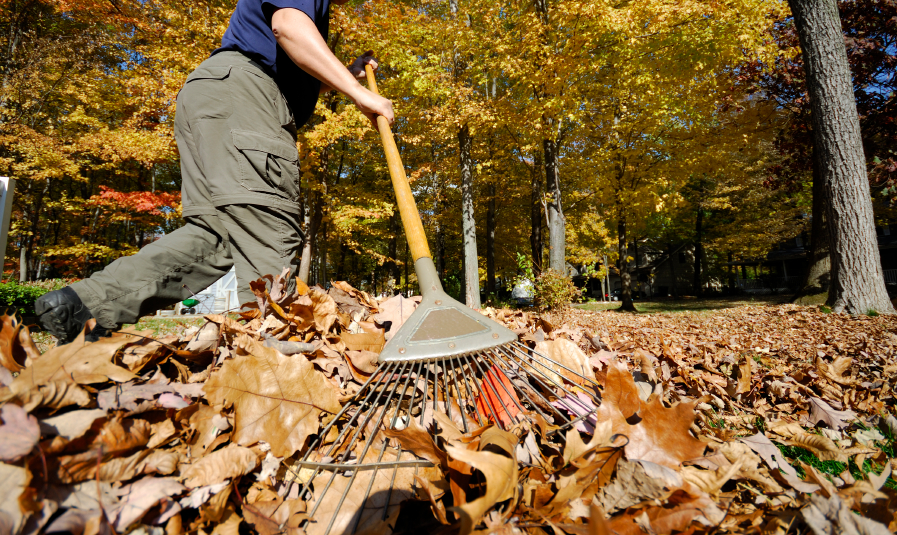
669 304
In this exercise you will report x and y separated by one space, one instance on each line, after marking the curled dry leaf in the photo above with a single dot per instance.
226 463
16 345
501 483
275 398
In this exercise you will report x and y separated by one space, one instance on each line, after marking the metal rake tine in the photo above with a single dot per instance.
335 419
370 415
536 373
534 404
460 407
363 501
395 416
435 387
349 451
489 355
518 346
485 397
481 420
423 405
364 452
494 392
536 377
445 389
392 482
307 485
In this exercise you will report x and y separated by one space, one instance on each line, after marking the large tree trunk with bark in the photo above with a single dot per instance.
817 275
557 239
535 237
623 267
393 249
471 290
858 285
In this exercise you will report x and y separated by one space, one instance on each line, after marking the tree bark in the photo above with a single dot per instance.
490 239
312 216
623 267
817 275
393 249
557 242
858 285
699 251
535 237
675 288
471 288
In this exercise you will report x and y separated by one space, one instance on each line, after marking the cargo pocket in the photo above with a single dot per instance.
268 164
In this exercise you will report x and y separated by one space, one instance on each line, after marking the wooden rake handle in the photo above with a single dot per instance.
414 229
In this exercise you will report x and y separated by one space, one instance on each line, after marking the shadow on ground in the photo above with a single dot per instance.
665 305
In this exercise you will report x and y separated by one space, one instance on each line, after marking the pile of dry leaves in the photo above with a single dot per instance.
202 432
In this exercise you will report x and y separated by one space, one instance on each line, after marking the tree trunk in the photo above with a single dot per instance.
471 288
699 251
23 263
393 249
623 267
605 282
535 237
557 242
490 240
817 275
311 221
675 287
858 284
731 272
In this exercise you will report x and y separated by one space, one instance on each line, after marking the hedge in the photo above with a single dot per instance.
22 296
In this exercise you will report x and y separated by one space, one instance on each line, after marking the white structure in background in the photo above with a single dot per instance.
218 298
7 188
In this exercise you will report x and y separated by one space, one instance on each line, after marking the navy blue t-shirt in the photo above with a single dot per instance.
250 32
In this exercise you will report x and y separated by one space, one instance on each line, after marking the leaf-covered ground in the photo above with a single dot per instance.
757 419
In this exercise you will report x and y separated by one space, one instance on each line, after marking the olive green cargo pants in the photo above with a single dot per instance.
240 190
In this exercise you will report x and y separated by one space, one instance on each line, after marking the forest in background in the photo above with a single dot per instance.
564 131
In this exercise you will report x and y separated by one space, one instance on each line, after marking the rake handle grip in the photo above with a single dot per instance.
414 229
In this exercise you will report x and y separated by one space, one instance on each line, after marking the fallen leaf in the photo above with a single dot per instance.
820 411
138 497
19 433
77 362
275 398
501 483
830 516
226 463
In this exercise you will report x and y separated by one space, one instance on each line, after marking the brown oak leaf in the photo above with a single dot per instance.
275 398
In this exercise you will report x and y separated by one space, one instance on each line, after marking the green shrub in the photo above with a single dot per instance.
22 296
554 290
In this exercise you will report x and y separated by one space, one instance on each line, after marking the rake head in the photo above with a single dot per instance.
348 474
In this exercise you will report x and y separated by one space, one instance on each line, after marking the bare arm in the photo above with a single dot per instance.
299 38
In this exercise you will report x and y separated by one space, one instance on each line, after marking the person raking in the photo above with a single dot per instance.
235 127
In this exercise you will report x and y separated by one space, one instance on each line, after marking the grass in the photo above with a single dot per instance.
832 468
159 327
670 305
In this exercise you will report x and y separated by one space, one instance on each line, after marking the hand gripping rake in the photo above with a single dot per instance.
445 357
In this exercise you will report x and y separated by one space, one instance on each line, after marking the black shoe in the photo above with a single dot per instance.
63 314
97 332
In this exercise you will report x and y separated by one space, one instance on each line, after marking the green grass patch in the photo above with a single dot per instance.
688 305
832 468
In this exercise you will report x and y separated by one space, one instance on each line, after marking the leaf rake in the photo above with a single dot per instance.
446 358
